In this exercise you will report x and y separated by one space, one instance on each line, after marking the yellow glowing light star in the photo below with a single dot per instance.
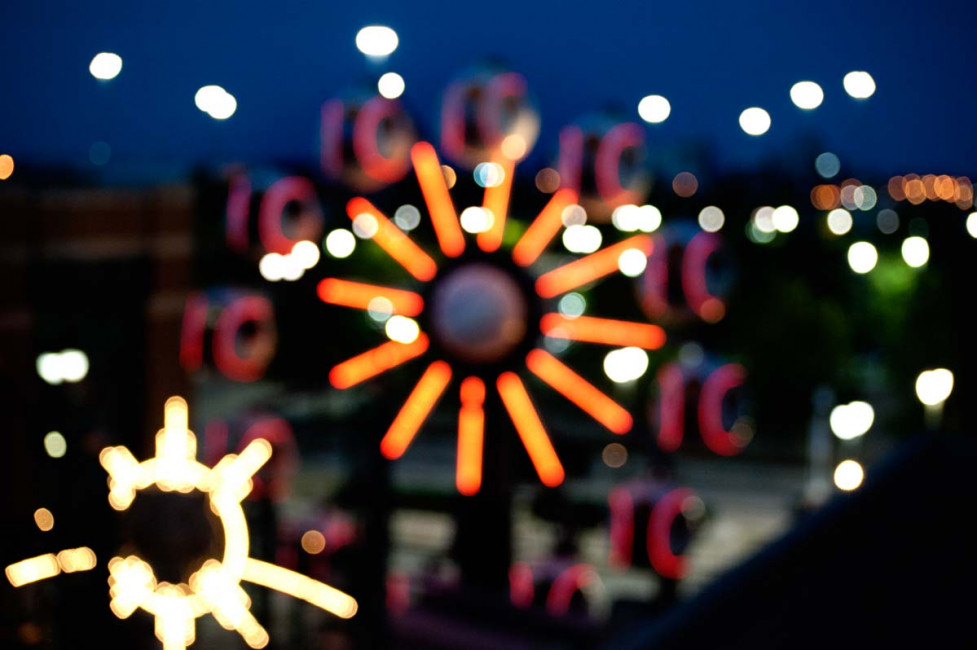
215 587
483 351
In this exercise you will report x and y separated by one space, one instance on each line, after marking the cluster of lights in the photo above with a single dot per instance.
303 256
851 194
755 121
767 221
918 189
69 365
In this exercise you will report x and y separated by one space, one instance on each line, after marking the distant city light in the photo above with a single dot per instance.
862 257
711 218
475 219
972 224
632 262
340 243
888 221
785 218
105 66
625 364
582 239
849 475
839 221
859 84
933 387
827 165
377 40
407 217
806 95
849 421
215 101
6 166
391 85
915 251
755 121
654 109
55 444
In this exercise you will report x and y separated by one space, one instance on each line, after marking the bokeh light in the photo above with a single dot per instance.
839 221
313 542
105 66
572 305
614 455
44 519
827 165
933 387
391 85
685 184
862 257
402 329
711 219
632 262
55 444
915 251
887 221
547 180
377 40
340 243
654 109
625 364
785 218
475 219
215 101
859 84
849 421
306 253
849 475
582 239
6 166
806 94
972 224
407 217
755 121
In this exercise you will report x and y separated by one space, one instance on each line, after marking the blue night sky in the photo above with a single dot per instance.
282 59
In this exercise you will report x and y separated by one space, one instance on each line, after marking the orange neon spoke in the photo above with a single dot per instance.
358 295
394 242
589 268
530 429
439 205
373 362
603 330
415 410
496 201
543 229
579 391
471 430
